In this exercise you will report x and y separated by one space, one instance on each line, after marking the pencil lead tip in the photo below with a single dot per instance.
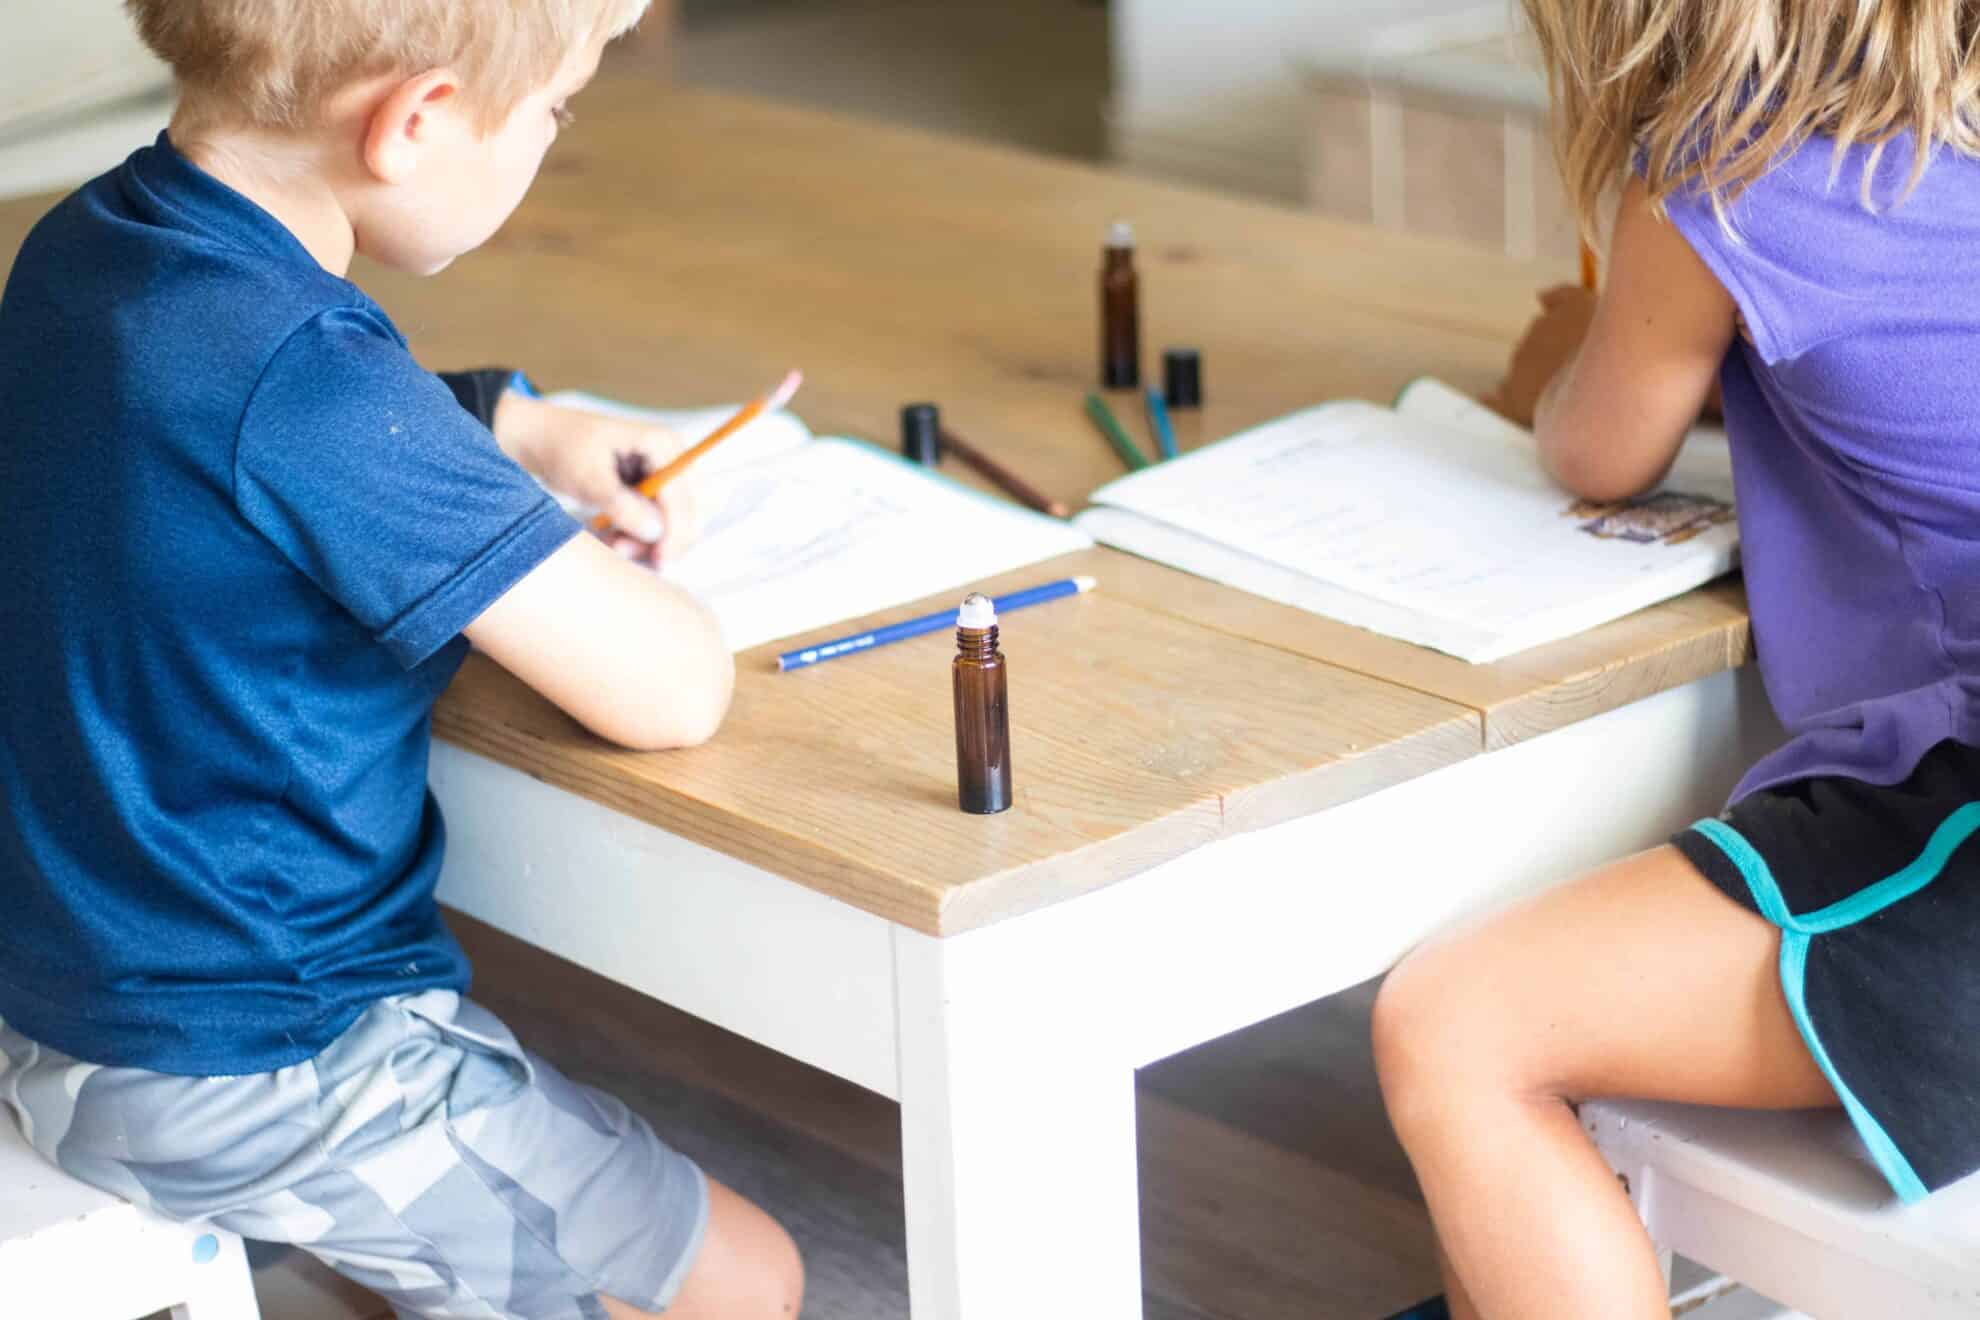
785 391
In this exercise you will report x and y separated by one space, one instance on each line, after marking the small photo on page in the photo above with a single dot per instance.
1666 517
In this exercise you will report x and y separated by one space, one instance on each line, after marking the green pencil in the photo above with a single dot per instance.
1103 417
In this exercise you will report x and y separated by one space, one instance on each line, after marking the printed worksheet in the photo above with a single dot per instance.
802 532
1420 523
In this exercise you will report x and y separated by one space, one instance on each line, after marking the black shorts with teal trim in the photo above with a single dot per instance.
1877 894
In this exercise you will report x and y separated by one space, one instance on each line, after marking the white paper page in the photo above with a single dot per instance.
772 433
1423 517
1703 465
1194 554
837 529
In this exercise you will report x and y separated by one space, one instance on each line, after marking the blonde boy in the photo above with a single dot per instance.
251 540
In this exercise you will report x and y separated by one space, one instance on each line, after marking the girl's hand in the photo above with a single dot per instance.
1550 343
597 460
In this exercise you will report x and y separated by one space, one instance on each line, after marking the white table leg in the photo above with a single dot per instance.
1018 1144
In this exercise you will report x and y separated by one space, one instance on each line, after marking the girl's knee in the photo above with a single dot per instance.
1404 1027
1439 1034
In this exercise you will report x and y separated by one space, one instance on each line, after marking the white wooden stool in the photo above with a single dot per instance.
1790 1205
70 1252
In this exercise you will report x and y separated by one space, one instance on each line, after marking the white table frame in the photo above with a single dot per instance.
1012 1048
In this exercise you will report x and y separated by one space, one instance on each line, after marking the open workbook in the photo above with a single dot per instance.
1430 521
800 532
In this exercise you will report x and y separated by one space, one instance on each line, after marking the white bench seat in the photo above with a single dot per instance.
71 1252
1790 1205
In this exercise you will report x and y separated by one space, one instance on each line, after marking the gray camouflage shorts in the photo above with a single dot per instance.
424 1155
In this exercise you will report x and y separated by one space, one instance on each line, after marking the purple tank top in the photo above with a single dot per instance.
1854 414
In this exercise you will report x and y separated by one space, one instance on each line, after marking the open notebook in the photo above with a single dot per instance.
801 532
1429 520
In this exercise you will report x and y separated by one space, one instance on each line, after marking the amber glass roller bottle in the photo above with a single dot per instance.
983 713
1120 312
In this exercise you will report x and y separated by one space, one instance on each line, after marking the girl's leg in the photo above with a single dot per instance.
1638 980
1455 1297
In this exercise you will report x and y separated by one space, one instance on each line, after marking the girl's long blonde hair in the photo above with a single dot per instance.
1712 92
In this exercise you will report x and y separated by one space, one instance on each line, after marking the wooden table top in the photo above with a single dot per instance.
686 248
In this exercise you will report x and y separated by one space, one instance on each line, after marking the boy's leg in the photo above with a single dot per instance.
1639 980
747 1266
426 1156
554 1200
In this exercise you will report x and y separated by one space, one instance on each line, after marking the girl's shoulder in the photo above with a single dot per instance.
1814 244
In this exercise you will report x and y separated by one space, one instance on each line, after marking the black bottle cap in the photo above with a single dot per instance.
1182 378
921 434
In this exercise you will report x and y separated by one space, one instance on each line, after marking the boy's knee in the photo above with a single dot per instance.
764 1282
748 1267
772 1285
783 1279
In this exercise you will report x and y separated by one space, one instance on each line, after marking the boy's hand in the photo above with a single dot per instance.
597 460
1549 344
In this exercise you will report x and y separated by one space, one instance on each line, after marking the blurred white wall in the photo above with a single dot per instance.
1208 90
77 92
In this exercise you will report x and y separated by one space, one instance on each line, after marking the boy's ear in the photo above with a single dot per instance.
410 118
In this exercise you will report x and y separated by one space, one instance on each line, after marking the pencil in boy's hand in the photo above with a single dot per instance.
651 486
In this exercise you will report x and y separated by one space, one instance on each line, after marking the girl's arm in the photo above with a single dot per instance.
1611 385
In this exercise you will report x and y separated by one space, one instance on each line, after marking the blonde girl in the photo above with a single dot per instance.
1798 230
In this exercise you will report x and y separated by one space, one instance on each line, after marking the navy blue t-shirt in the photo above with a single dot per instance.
242 530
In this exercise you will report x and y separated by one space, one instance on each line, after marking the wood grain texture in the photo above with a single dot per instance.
685 247
1127 751
1520 697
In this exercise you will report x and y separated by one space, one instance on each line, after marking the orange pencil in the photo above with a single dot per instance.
650 487
1590 272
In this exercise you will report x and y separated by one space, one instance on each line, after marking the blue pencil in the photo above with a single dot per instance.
1158 422
927 623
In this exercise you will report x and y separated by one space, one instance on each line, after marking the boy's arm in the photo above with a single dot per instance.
628 655
593 458
363 471
1612 413
636 661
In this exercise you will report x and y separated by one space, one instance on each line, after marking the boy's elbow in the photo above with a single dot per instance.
688 714
701 716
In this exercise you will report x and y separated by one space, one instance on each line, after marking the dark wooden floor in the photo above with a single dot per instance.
1270 1185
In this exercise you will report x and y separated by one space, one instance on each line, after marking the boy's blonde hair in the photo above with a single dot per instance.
1712 92
272 63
